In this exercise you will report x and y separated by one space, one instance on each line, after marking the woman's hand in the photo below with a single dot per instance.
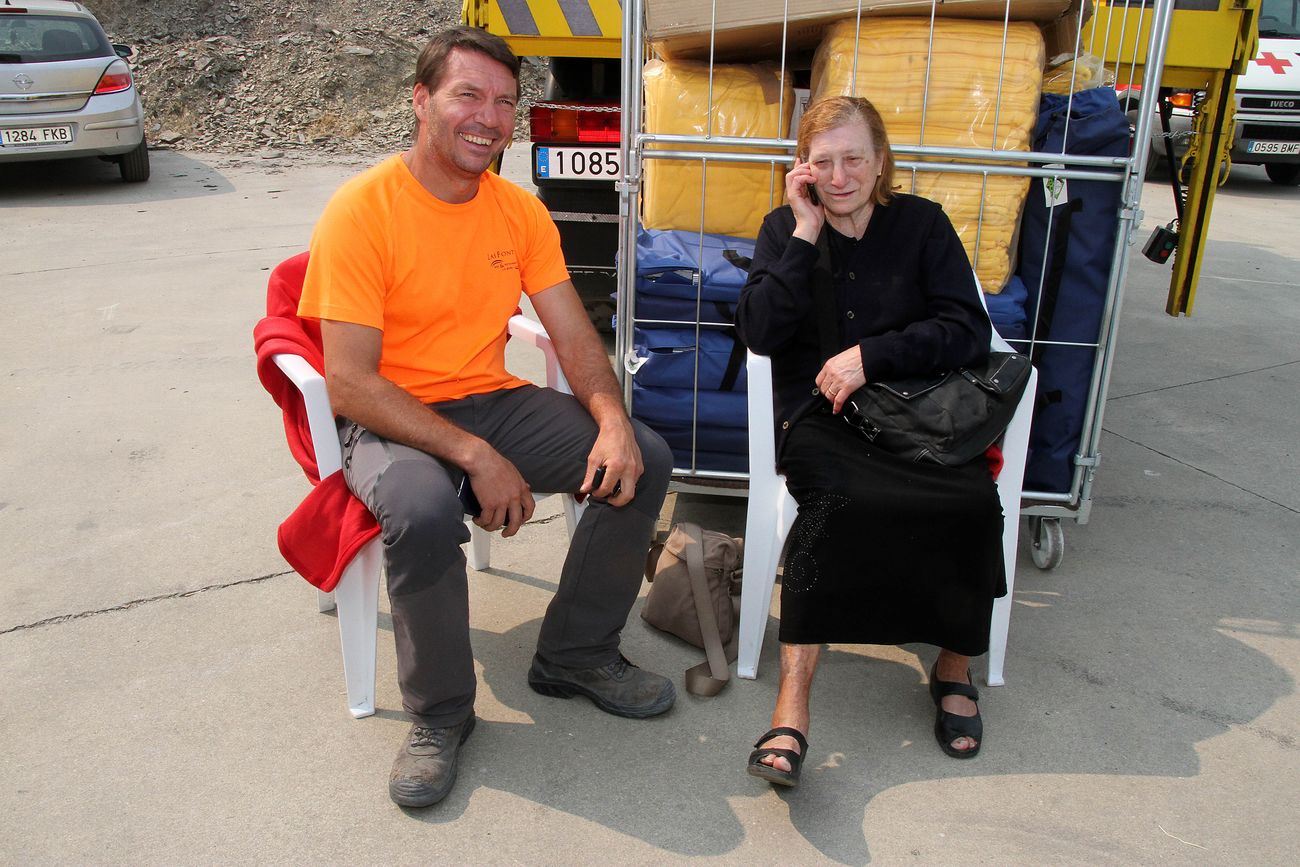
808 215
840 376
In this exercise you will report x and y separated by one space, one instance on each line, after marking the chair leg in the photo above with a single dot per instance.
768 519
357 597
324 601
480 547
572 512
1015 445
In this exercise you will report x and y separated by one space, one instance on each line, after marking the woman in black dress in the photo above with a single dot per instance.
883 551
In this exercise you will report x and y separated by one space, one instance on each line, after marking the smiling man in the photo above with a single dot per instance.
416 266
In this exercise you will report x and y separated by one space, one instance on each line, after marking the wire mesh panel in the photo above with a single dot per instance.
1009 113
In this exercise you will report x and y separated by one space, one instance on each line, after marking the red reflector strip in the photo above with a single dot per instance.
574 123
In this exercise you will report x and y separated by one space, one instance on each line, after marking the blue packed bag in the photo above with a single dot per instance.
664 308
1007 310
728 462
710 359
707 409
1067 242
688 277
681 436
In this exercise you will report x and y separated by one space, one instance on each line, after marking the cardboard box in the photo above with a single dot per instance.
1061 34
752 29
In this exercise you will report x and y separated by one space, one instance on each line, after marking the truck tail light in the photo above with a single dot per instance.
585 123
116 78
1181 99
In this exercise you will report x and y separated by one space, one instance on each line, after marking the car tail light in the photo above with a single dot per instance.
115 79
571 122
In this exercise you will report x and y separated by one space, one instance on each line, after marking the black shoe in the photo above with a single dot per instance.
618 687
771 773
425 769
950 726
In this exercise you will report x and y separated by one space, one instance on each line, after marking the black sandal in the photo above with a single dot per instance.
950 726
772 774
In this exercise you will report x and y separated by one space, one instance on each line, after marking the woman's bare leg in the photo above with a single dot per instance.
798 664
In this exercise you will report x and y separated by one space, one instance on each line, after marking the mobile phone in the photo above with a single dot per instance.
812 193
599 479
468 501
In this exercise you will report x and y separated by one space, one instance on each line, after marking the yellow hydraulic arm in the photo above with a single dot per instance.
551 28
1210 43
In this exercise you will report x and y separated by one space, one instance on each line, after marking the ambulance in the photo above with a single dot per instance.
1268 96
1267 131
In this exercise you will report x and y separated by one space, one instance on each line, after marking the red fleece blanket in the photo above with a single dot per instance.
331 525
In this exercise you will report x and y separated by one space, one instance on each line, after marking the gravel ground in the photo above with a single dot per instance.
266 76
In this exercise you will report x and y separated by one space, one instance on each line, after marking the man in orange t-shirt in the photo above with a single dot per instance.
415 268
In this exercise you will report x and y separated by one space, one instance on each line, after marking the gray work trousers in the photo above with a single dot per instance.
547 436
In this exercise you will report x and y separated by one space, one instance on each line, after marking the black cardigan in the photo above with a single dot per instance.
906 297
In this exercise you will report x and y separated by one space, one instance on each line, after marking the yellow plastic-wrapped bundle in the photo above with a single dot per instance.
1068 74
983 93
748 101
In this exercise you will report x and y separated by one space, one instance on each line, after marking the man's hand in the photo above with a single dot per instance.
505 497
616 450
582 357
358 392
840 376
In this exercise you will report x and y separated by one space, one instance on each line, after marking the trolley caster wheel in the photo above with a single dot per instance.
1048 542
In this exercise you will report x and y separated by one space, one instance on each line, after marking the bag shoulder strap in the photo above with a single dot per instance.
709 677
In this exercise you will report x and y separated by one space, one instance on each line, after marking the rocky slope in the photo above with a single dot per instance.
258 75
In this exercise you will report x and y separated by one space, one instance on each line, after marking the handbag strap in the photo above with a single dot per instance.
709 677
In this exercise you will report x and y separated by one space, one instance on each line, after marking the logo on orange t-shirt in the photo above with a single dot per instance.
503 260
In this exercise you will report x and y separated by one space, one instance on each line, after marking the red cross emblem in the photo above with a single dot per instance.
1277 64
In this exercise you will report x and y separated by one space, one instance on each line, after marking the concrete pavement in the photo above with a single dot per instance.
171 695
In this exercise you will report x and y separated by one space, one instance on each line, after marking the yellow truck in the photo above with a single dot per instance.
574 128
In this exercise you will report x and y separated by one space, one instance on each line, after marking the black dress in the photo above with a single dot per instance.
883 551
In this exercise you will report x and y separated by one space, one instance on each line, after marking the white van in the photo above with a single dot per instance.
1268 96
1267 128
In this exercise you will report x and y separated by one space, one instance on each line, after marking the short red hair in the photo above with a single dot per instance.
835 111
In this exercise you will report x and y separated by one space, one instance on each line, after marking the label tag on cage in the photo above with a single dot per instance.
1055 191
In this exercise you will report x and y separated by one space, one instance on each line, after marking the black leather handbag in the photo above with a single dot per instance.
949 417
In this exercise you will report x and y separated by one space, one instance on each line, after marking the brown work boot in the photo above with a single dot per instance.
425 769
617 687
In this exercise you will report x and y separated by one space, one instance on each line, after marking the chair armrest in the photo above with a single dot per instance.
532 333
762 441
316 402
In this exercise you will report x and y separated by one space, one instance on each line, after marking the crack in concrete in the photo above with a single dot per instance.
1195 468
1116 397
169 258
1184 708
136 603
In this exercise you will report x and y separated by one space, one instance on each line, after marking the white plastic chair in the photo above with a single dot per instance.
772 510
357 594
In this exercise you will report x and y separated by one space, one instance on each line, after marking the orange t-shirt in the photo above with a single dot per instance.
440 280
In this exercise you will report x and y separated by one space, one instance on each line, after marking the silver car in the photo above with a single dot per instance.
65 90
